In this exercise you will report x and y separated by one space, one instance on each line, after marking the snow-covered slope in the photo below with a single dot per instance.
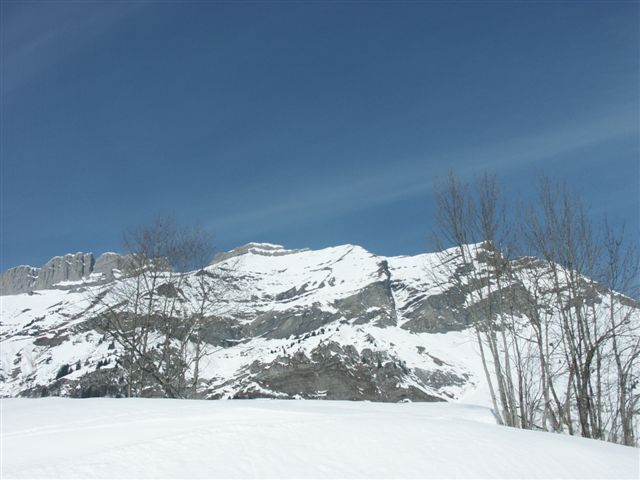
155 438
339 323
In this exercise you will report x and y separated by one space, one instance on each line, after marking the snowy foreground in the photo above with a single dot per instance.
142 438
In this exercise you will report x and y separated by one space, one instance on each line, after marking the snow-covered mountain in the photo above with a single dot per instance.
336 323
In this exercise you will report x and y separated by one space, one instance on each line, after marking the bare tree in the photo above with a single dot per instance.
550 296
157 309
620 274
562 235
473 221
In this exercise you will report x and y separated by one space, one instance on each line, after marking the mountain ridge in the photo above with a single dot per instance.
71 267
315 317
336 323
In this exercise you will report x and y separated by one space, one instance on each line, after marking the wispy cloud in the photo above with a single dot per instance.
404 178
38 35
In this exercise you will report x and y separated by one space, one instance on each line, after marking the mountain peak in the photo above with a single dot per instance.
254 248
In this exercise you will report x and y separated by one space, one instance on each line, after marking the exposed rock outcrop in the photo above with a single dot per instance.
332 372
18 280
265 249
60 271
69 268
108 262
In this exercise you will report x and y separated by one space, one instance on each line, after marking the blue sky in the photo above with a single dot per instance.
304 124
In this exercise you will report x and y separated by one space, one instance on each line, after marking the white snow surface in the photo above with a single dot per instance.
154 438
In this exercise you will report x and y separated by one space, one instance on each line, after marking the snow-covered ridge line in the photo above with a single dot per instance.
336 323
65 270
309 307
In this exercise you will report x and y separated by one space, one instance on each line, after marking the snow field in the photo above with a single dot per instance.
153 438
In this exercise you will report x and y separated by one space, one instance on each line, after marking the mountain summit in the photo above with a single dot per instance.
335 323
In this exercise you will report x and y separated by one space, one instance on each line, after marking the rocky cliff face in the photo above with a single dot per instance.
61 272
70 268
337 323
18 280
